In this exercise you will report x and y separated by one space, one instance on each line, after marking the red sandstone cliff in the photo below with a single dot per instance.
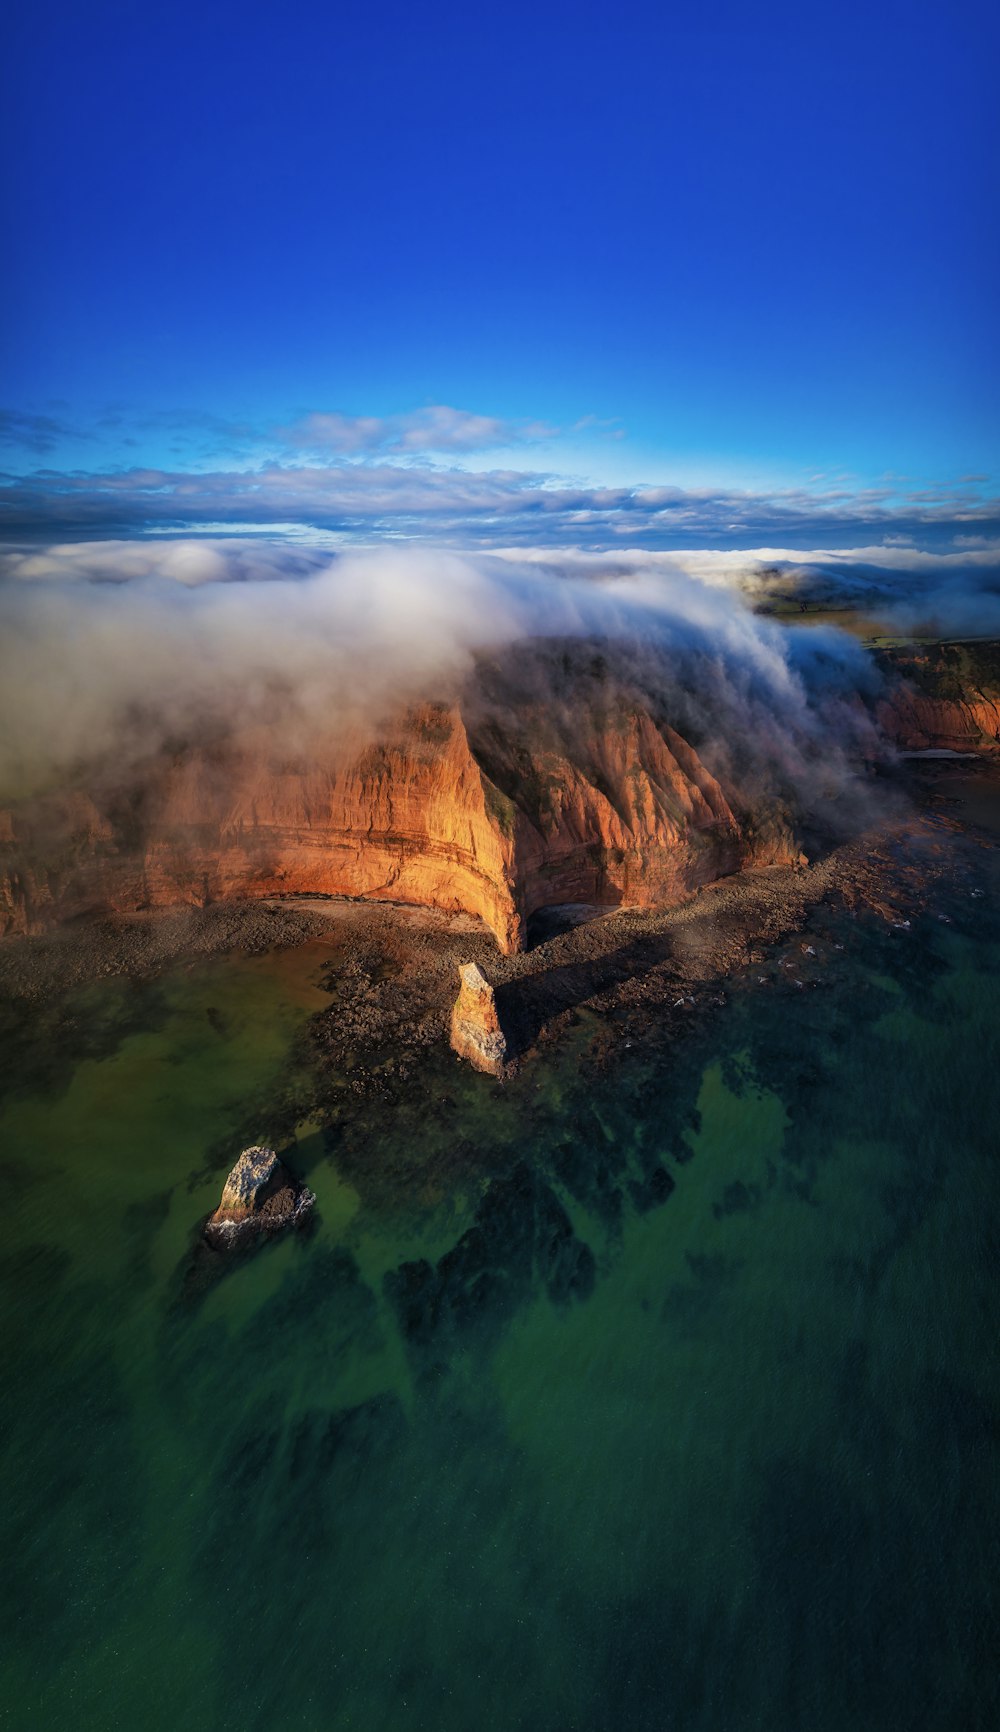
496 827
941 696
915 722
546 784
405 819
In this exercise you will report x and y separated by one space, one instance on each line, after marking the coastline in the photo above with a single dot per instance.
393 971
677 1268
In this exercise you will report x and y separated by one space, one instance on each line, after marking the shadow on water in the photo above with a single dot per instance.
42 1041
521 1240
527 1005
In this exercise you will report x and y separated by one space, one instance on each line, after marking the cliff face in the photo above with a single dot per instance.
623 811
404 819
550 780
916 723
941 696
440 811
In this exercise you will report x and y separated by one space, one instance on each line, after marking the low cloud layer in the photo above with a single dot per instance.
113 651
382 500
954 592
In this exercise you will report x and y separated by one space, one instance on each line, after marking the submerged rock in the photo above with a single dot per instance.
259 1196
476 1033
521 1239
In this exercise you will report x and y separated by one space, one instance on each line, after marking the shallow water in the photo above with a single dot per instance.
650 1394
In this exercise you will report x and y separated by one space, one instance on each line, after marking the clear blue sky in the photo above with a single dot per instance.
742 245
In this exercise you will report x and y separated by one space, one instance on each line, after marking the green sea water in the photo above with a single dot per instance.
660 1392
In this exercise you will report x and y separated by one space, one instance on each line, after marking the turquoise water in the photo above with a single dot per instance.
655 1393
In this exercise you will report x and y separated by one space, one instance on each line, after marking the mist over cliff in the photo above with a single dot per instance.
188 722
114 652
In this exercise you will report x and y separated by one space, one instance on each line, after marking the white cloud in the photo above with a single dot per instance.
437 428
110 650
402 496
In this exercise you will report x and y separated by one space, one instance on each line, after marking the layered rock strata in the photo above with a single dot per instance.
916 722
941 697
476 1031
437 812
259 1196
549 781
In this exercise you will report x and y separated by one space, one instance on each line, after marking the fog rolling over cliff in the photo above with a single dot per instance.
113 650
466 733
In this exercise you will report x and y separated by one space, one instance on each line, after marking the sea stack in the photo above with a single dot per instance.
260 1196
476 1033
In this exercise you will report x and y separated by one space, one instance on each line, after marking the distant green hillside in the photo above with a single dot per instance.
949 671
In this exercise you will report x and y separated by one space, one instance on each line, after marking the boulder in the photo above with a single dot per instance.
259 1196
476 1032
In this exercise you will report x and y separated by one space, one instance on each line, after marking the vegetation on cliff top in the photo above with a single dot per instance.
950 672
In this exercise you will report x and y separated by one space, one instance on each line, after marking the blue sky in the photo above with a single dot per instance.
557 272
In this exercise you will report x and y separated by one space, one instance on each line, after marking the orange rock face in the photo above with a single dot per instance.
942 696
404 820
917 723
476 1033
550 781
436 812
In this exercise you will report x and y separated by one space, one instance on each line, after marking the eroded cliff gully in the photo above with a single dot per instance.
475 807
440 811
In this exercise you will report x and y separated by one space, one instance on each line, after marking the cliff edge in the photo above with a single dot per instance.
447 808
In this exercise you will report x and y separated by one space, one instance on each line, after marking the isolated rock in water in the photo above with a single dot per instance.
476 1033
260 1196
250 1181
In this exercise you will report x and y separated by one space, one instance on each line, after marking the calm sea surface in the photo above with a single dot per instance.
661 1394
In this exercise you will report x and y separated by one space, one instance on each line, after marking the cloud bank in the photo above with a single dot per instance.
425 475
111 652
382 501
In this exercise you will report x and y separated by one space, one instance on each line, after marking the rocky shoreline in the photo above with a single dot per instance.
397 996
395 975
143 944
